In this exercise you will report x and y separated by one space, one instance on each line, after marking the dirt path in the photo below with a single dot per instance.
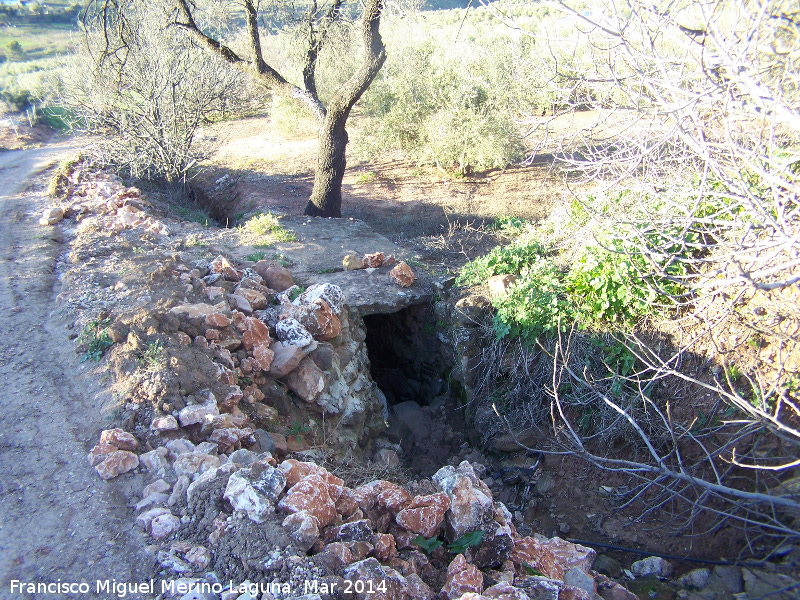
58 520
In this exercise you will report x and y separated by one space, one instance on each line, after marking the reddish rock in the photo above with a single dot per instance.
570 592
230 438
347 504
311 495
341 552
212 335
199 556
330 293
263 356
285 359
232 398
99 453
256 299
116 463
275 277
296 470
499 284
418 589
389 261
554 557
303 528
307 381
119 438
424 515
183 339
404 540
402 275
224 267
393 498
383 546
462 578
372 261
505 591
218 320
367 495
281 447
214 292
319 319
255 333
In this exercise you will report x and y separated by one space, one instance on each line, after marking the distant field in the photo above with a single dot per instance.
38 41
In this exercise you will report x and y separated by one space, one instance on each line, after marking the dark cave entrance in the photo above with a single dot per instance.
406 355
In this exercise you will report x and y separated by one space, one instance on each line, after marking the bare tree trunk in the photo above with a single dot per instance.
326 197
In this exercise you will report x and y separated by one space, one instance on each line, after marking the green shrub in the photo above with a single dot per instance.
536 303
267 224
503 260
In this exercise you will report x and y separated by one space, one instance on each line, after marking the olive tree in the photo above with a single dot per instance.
316 25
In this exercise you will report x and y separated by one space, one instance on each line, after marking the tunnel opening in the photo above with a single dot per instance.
407 359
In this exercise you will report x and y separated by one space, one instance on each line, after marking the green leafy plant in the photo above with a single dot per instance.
429 545
367 177
296 292
268 224
298 429
256 256
153 356
503 260
473 538
95 333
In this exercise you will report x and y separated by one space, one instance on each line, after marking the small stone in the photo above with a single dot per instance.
307 381
117 463
195 310
695 579
199 556
263 356
51 216
579 578
159 486
255 333
240 303
652 565
164 525
319 319
402 275
296 470
372 261
351 262
285 359
384 546
389 261
218 320
310 494
255 490
554 557
99 453
264 441
418 589
499 285
386 457
275 277
303 528
119 438
166 423
257 300
607 566
462 578
330 293
224 267
290 331
196 413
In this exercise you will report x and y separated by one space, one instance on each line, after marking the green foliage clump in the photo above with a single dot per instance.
503 260
267 224
536 303
95 335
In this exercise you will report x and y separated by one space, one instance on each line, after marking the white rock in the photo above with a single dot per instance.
163 525
652 565
255 490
